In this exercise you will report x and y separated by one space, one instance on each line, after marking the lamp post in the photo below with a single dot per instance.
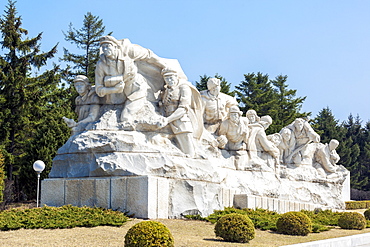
38 166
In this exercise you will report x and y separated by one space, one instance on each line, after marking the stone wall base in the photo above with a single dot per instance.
144 196
156 197
273 204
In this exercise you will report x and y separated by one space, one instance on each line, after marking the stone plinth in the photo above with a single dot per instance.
272 204
158 197
146 174
146 197
143 196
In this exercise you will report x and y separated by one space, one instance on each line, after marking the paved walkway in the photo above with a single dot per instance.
359 240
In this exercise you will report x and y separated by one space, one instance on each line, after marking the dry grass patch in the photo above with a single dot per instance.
186 233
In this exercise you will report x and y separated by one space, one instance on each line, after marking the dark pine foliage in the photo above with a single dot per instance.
30 124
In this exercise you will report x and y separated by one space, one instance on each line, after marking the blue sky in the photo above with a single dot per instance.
322 46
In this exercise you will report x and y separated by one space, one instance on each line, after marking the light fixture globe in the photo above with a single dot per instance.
39 166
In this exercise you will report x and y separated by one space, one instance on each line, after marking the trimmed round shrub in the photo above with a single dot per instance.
294 223
149 233
235 228
352 220
367 214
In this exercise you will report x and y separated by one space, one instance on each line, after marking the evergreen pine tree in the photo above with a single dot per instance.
27 101
365 157
351 151
327 126
20 93
2 176
287 107
270 97
87 39
256 93
51 133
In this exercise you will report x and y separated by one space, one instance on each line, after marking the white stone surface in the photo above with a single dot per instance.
118 193
359 240
52 192
346 189
272 204
143 196
216 105
85 191
146 151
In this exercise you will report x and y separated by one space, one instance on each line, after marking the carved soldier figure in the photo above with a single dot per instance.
177 102
116 74
326 155
216 105
286 145
234 130
255 128
305 139
252 116
258 141
87 104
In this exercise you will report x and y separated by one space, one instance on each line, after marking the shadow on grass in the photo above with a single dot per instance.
219 240
215 240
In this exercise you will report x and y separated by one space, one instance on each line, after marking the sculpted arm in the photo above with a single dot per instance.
223 128
177 114
267 145
334 157
140 53
184 104
315 137
93 115
100 79
246 129
311 134
222 139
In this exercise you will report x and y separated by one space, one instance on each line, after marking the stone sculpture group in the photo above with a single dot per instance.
143 117
190 113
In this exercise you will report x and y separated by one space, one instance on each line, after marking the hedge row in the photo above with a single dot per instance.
59 217
322 220
357 205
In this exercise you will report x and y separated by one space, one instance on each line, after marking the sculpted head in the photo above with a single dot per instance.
266 121
286 134
82 84
234 114
333 144
299 124
252 116
109 46
214 86
275 138
170 77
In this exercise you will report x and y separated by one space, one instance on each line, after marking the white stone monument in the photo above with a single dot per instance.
140 145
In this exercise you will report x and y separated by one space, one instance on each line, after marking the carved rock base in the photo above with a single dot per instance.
146 174
143 196
158 197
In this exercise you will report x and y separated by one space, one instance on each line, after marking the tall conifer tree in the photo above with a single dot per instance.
86 39
20 93
288 105
256 93
351 154
269 97
327 126
365 158
27 102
